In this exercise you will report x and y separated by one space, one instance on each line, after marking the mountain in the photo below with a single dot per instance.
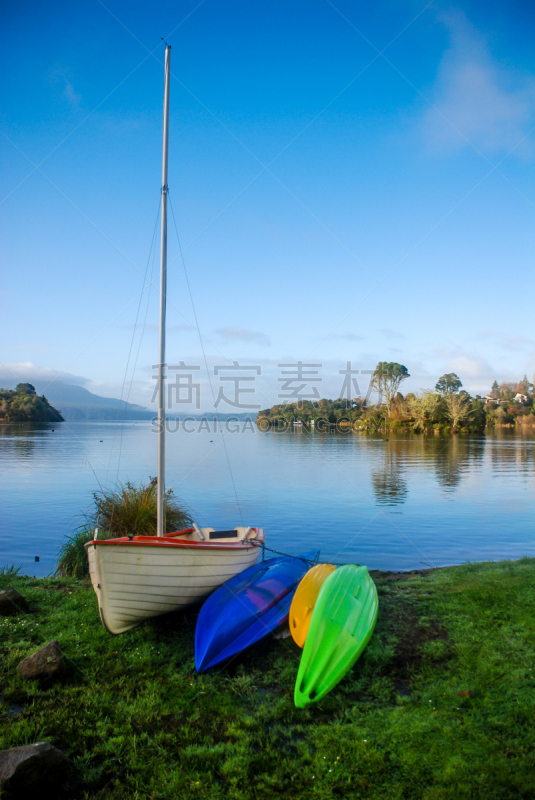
77 403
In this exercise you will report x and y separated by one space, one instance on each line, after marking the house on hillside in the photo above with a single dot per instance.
494 401
520 398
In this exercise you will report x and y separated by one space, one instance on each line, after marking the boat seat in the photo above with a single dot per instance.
223 534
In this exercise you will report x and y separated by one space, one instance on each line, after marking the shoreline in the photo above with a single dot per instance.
386 575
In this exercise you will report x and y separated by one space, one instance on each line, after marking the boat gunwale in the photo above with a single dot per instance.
160 541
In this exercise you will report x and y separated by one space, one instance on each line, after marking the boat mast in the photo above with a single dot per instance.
160 507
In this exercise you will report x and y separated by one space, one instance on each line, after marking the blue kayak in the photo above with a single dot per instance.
248 607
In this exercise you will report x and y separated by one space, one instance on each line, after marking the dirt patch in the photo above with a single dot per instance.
411 636
387 575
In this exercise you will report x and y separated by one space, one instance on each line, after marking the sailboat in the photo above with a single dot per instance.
139 577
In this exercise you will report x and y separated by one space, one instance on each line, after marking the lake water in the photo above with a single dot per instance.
402 503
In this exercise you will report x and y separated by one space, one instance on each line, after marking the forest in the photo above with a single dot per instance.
447 408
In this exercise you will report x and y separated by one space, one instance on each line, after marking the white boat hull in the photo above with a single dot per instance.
143 577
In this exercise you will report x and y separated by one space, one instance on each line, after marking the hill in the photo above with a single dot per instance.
23 404
77 403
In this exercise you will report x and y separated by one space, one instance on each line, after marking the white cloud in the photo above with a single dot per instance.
470 367
146 327
389 334
72 97
351 337
475 372
518 343
152 327
26 372
243 335
37 348
59 77
477 99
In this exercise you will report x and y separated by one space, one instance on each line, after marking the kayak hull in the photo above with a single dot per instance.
246 608
342 623
305 599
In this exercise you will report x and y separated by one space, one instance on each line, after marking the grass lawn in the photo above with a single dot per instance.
441 704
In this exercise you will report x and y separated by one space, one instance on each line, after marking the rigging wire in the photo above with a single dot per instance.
204 356
143 328
130 354
314 560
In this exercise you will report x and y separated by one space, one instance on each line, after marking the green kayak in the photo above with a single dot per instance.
341 626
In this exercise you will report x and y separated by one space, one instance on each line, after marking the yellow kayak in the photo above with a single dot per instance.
343 621
305 600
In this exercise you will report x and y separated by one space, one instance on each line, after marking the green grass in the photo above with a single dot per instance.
441 705
9 571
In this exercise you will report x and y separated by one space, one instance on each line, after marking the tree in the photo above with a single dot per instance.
417 412
448 384
25 388
387 378
524 386
507 390
458 409
478 420
495 390
424 408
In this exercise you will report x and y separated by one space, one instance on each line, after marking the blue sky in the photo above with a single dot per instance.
349 183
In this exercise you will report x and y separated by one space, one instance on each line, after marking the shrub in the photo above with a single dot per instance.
124 511
72 557
131 509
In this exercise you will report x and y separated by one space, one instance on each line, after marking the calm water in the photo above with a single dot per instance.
396 504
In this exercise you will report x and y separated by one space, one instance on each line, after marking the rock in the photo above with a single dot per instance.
282 633
39 768
46 663
12 602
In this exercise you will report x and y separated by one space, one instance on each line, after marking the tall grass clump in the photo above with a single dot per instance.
131 510
72 555
9 571
7 575
127 510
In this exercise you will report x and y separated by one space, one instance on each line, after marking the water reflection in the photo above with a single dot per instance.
19 439
388 480
399 463
450 458
509 452
455 457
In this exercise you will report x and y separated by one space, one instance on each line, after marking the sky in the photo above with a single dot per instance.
350 182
